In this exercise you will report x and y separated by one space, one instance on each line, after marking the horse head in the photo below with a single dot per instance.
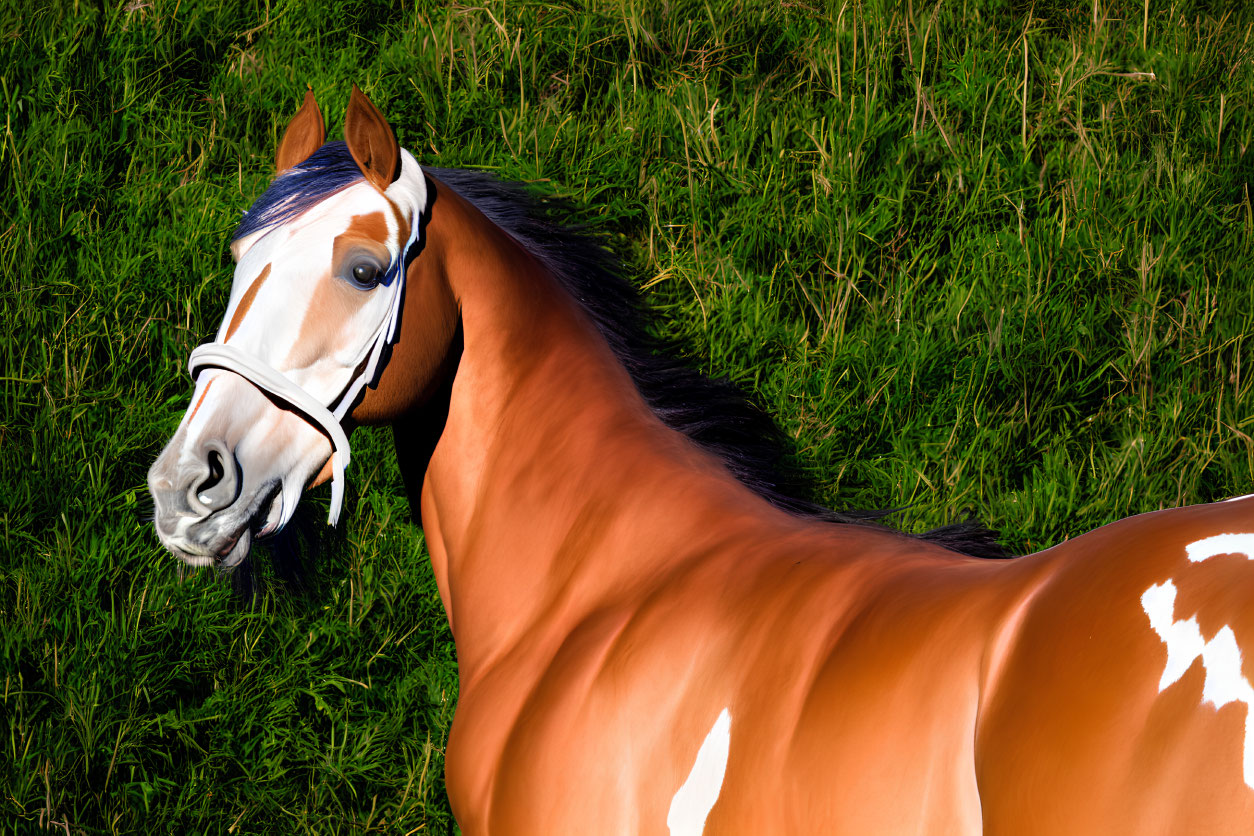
322 266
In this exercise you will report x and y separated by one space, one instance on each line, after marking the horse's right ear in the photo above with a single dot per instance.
304 135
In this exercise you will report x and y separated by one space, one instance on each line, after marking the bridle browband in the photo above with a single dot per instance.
219 355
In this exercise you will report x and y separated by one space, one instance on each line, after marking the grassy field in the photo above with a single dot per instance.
989 256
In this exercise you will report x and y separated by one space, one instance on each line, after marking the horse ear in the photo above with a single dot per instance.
304 135
371 141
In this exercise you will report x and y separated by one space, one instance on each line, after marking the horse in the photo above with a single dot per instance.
652 636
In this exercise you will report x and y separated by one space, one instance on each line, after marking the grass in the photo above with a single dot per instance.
972 255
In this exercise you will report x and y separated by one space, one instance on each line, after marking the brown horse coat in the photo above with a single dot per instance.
647 646
612 589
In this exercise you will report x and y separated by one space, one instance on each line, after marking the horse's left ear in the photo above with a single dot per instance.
371 141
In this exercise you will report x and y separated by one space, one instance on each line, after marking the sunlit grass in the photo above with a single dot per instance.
972 255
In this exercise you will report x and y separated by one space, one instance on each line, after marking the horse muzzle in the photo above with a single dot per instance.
202 515
234 466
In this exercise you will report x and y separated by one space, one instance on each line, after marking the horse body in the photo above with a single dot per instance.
612 588
647 646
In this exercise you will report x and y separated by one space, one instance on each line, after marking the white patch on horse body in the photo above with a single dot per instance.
1239 498
1220 544
694 800
1221 657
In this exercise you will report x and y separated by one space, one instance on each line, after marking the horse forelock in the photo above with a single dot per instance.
328 170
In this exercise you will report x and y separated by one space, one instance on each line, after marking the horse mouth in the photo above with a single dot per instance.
235 554
228 544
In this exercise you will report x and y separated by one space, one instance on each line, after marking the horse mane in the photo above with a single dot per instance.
712 412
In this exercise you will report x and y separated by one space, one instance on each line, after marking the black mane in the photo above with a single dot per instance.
713 413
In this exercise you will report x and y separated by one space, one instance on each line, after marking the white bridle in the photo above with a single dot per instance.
219 355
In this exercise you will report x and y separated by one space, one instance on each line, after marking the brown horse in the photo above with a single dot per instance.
651 637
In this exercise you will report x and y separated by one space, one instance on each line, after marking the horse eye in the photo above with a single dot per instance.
366 275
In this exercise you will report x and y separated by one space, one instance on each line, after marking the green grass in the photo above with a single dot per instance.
975 255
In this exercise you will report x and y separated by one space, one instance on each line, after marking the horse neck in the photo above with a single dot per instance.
553 489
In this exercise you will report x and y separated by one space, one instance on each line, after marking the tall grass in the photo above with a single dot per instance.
985 255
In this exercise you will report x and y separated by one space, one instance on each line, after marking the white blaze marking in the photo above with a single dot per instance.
694 800
1220 544
1221 657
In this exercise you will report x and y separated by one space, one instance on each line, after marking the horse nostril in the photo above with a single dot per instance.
221 485
215 476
